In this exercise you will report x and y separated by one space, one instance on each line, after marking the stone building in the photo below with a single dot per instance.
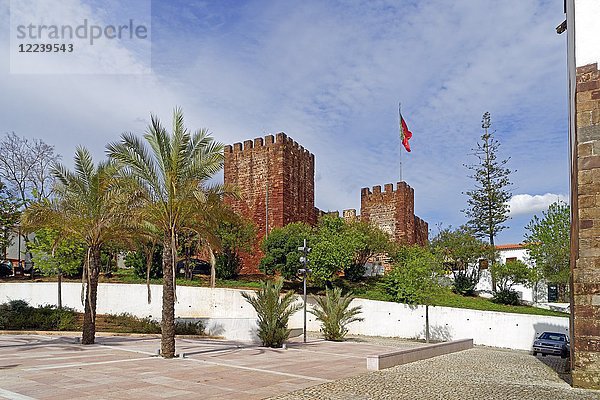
583 33
393 211
275 178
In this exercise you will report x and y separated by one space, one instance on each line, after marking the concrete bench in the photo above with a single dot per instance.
387 360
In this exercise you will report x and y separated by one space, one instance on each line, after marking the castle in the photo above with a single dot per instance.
275 177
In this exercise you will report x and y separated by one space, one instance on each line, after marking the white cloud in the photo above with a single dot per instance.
527 204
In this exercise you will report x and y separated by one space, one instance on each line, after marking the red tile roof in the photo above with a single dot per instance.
516 246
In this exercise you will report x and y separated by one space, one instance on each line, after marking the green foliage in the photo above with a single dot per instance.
18 315
513 272
506 296
189 328
281 249
416 276
273 311
138 261
9 217
235 234
127 323
547 240
335 314
336 246
487 204
53 254
460 252
332 249
366 240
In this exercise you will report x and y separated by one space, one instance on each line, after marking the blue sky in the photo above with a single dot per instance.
330 75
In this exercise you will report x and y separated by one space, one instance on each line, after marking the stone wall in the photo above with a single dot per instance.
585 265
275 179
393 211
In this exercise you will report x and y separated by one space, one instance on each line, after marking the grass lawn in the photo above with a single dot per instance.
371 289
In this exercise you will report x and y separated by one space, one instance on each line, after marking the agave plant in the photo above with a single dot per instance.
334 312
273 311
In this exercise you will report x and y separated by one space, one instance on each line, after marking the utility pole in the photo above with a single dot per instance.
304 273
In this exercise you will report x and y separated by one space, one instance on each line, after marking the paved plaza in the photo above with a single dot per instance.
56 367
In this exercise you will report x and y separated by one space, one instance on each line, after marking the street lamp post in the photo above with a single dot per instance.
304 272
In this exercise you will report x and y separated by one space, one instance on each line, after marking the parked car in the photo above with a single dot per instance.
552 343
197 267
6 268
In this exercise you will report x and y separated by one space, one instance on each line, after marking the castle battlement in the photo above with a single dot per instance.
279 139
388 188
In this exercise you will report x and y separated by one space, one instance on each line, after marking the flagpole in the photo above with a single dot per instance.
400 145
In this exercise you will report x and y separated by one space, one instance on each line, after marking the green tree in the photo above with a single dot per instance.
56 255
236 234
89 206
416 277
173 172
281 249
487 204
548 243
139 259
513 272
461 252
274 312
333 249
9 218
335 313
367 240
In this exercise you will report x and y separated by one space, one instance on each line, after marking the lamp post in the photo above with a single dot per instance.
304 271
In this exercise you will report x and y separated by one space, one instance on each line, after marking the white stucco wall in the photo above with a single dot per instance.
540 294
227 314
587 32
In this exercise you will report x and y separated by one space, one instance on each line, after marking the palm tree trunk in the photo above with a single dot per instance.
89 316
167 345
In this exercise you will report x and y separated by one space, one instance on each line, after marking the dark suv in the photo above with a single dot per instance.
552 343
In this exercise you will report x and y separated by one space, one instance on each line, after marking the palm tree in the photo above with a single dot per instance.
334 312
173 170
89 205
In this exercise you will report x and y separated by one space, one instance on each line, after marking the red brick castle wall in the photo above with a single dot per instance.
280 166
393 211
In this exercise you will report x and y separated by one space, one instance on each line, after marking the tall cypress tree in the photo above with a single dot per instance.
487 204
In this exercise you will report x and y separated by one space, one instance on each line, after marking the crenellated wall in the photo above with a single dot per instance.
393 211
275 178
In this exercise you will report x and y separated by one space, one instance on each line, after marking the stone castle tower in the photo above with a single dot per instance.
393 211
275 177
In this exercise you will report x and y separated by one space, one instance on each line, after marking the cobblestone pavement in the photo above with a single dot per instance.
478 374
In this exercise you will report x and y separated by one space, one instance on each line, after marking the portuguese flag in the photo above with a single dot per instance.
405 134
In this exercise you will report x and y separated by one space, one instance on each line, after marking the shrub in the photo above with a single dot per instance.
128 323
464 285
273 311
18 315
189 328
416 276
137 261
355 272
227 265
509 297
334 313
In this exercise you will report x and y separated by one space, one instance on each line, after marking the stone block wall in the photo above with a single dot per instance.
393 212
275 179
585 260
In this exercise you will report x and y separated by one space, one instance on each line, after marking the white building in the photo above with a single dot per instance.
509 252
